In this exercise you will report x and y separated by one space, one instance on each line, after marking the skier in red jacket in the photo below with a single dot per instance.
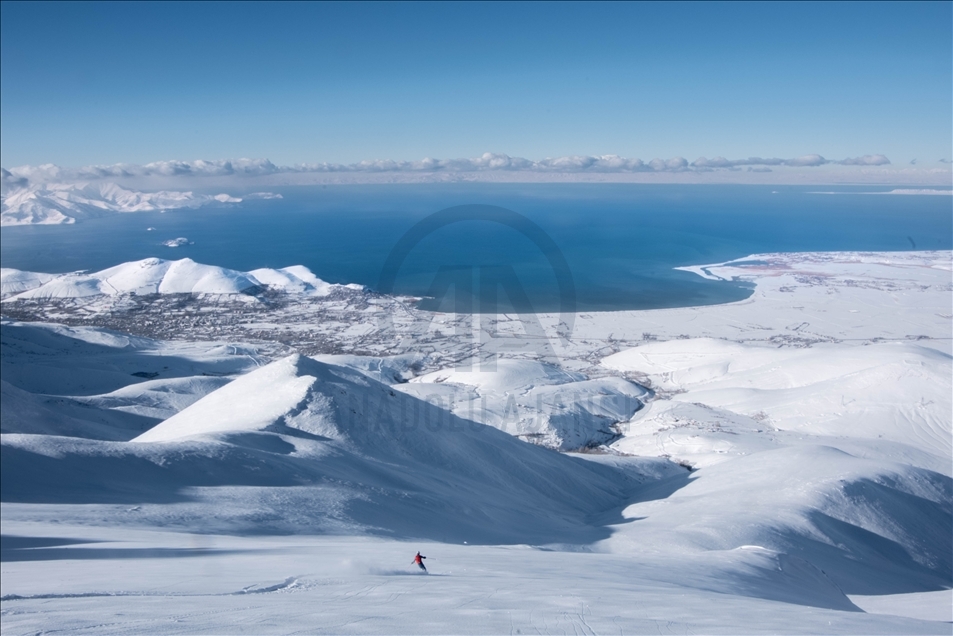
419 561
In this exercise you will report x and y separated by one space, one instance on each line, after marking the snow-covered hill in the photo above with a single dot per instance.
889 400
535 401
158 276
36 414
15 281
870 526
839 455
350 453
59 203
86 382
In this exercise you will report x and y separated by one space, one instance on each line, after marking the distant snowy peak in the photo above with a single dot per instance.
65 203
15 281
159 276
295 279
920 191
149 276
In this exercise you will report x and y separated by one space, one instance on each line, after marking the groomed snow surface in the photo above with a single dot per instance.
177 487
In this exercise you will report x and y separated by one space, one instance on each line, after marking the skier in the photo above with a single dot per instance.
419 561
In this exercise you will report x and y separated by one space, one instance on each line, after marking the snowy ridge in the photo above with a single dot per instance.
869 526
158 276
391 462
65 203
536 401
97 384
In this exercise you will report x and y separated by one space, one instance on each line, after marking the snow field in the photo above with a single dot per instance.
291 496
181 583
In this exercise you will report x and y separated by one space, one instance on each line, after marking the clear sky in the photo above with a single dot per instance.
139 82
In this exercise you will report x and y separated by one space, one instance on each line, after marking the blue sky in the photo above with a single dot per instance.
139 82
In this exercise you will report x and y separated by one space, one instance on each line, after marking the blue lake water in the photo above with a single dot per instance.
620 241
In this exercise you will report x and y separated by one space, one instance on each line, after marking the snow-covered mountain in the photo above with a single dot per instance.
158 276
838 455
821 489
303 446
59 203
376 459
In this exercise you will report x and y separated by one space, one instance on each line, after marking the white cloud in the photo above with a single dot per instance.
806 161
8 180
484 163
866 160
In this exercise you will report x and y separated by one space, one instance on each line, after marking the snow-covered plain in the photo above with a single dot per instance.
146 490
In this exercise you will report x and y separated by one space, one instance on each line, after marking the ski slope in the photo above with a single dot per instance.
93 580
203 487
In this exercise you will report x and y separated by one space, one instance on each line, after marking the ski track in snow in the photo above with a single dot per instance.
289 583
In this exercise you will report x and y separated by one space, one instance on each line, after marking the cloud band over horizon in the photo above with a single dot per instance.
488 162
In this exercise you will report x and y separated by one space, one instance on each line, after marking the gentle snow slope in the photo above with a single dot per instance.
870 526
25 412
96 579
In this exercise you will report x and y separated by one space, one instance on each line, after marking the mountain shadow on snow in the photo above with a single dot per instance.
303 446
